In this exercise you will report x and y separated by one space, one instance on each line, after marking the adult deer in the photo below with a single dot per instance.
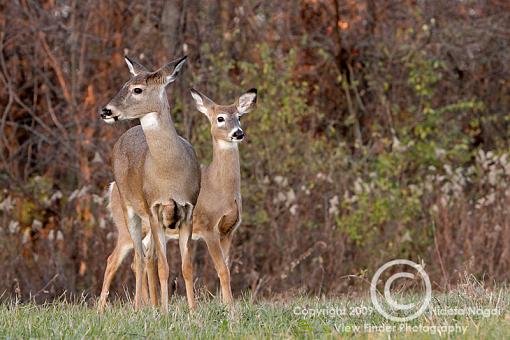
153 167
218 210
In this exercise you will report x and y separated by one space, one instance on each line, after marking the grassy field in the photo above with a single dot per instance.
283 318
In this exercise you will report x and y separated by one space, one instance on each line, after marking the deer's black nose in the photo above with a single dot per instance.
105 113
239 134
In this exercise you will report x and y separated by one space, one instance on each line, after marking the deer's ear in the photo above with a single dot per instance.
247 101
201 102
134 67
171 71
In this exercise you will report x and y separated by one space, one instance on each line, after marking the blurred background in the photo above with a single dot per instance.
381 132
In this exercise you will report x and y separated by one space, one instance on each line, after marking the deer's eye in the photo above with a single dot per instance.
137 90
221 119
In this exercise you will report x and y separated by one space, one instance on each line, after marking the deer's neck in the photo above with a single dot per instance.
160 134
225 166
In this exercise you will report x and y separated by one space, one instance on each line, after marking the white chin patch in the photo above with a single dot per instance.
109 120
150 121
224 145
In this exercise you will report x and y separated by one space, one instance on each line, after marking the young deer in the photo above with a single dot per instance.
217 213
218 210
153 167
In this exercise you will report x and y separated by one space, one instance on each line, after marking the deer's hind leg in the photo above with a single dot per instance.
120 251
122 247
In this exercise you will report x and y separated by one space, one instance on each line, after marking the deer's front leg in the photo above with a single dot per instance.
150 265
158 237
225 248
145 287
213 245
135 231
185 231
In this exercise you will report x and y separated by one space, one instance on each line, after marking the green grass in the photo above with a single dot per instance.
263 319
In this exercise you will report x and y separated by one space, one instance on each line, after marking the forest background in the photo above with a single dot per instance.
381 132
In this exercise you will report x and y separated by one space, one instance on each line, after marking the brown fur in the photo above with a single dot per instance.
219 206
153 167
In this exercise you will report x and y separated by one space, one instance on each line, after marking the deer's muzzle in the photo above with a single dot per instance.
106 113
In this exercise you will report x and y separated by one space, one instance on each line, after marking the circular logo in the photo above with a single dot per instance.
388 298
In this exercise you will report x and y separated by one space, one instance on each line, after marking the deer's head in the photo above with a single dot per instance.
143 93
226 119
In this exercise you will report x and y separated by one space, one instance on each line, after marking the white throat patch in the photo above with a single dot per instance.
150 121
224 145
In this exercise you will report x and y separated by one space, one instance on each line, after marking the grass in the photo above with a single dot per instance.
281 318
